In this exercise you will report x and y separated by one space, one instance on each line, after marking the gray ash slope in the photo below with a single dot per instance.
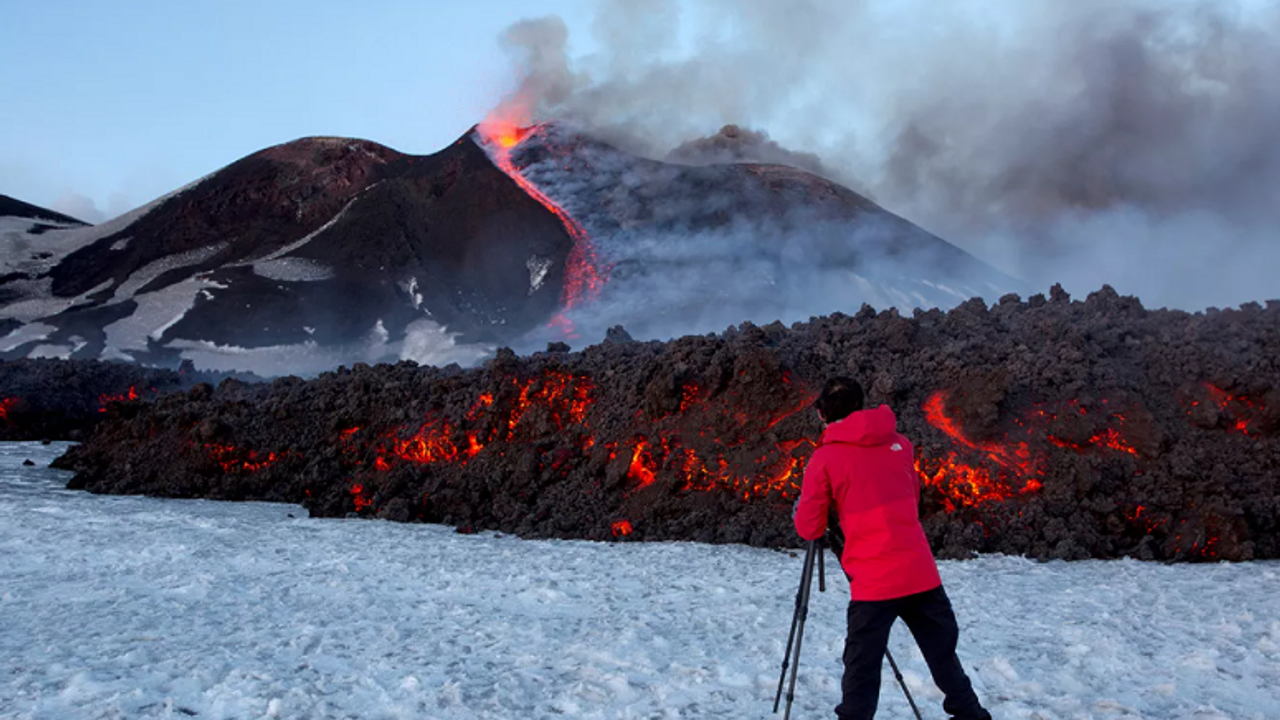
326 251
693 248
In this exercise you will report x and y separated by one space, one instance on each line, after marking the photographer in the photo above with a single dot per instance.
864 471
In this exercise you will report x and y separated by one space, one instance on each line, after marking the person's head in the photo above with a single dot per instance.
840 398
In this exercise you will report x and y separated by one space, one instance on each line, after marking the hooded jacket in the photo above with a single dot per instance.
867 469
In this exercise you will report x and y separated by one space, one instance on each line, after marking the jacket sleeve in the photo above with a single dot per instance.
815 500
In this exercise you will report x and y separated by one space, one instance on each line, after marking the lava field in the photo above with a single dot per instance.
48 399
1048 427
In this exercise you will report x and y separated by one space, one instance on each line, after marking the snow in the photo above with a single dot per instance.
34 299
155 313
293 270
130 607
154 269
538 267
25 334
410 288
305 358
301 242
61 352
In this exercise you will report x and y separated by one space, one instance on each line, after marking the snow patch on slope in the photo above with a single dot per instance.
156 312
154 269
39 302
291 269
25 334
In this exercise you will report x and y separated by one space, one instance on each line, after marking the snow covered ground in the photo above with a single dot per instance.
124 607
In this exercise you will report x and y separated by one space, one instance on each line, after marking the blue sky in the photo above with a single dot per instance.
117 103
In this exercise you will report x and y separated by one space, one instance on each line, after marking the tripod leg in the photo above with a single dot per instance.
903 683
795 620
806 583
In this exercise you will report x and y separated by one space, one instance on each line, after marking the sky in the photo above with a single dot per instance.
110 105
1131 143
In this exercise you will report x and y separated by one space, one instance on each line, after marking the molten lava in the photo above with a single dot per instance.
236 461
642 465
6 405
361 500
1008 468
1240 411
583 277
105 400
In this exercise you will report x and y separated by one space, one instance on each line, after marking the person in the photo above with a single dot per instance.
863 471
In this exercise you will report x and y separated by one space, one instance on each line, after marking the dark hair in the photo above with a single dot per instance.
840 398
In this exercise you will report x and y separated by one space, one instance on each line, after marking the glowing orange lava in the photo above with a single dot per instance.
1009 468
360 499
1239 410
234 460
583 278
105 400
6 405
621 528
431 444
642 465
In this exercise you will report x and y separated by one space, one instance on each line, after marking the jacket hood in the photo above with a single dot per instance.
876 426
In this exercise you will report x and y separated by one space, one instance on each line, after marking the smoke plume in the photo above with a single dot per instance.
1135 143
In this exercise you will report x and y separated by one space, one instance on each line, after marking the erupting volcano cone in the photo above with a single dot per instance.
583 278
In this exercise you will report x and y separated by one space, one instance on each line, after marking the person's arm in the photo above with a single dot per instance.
814 502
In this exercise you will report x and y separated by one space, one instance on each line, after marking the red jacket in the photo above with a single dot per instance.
868 469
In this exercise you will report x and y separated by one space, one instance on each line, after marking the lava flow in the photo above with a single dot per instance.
105 400
1010 467
234 460
582 278
1239 410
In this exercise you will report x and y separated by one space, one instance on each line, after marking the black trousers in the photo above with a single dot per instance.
933 624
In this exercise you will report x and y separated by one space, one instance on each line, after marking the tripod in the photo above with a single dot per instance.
813 552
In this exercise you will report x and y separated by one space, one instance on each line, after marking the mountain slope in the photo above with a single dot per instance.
325 251
319 243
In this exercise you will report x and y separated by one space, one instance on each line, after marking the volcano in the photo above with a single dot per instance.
326 251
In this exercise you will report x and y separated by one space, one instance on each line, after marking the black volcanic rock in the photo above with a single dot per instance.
65 399
1049 429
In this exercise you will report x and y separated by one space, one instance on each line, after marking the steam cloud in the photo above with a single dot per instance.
1135 143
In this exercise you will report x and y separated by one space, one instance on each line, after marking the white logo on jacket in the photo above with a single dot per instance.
895 447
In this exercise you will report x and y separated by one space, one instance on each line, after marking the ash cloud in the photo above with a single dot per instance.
1136 143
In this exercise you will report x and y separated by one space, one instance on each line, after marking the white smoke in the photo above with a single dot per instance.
1133 143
